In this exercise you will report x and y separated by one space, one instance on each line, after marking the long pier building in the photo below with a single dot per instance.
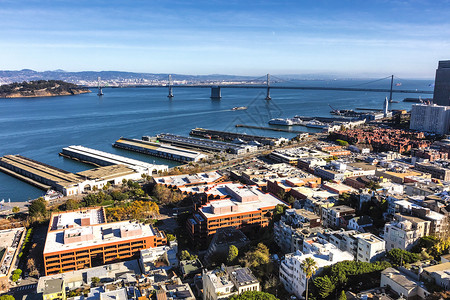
100 158
44 176
205 144
82 239
159 150
231 136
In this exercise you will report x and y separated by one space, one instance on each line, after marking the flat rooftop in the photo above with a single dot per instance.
210 189
195 179
369 237
58 176
110 158
78 218
400 278
96 235
106 173
161 148
238 207
315 192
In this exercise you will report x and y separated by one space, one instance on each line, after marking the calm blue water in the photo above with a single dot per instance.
39 128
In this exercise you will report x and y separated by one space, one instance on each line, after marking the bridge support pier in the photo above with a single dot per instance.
216 93
268 94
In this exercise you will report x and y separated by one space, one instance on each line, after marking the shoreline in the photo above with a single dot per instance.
47 95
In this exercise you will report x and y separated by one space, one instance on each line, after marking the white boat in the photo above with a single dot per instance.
280 121
316 124
52 195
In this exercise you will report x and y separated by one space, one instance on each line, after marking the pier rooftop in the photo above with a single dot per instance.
230 136
45 176
159 150
205 144
106 159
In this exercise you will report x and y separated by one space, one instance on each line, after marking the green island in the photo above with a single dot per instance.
40 88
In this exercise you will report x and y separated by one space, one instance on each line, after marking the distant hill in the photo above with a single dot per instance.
106 76
40 88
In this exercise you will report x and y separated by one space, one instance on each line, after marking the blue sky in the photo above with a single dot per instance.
349 38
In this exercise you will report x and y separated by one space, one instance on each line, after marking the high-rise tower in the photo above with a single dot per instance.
442 84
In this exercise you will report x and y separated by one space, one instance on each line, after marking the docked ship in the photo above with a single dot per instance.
315 124
280 121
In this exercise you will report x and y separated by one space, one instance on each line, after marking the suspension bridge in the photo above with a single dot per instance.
267 82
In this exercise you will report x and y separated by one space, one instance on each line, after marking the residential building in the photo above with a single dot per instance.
402 284
430 118
324 254
54 289
334 216
226 282
370 248
190 268
82 239
404 231
293 219
366 247
439 273
175 290
360 223
167 255
439 171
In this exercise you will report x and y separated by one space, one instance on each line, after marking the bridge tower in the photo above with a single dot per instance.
99 86
392 84
216 94
268 88
170 96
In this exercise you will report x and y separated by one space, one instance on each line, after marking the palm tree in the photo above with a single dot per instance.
309 267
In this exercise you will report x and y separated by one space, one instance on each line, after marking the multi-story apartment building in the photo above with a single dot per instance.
226 282
404 231
291 221
82 239
246 208
369 247
333 216
291 274
436 170
430 118
366 247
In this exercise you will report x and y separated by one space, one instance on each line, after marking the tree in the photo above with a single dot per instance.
342 296
31 265
400 257
38 208
16 275
185 255
324 286
72 204
254 295
95 281
232 253
171 237
309 267
7 297
15 209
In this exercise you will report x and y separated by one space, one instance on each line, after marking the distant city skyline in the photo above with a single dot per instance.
345 38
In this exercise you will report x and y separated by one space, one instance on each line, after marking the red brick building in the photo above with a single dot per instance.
82 239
